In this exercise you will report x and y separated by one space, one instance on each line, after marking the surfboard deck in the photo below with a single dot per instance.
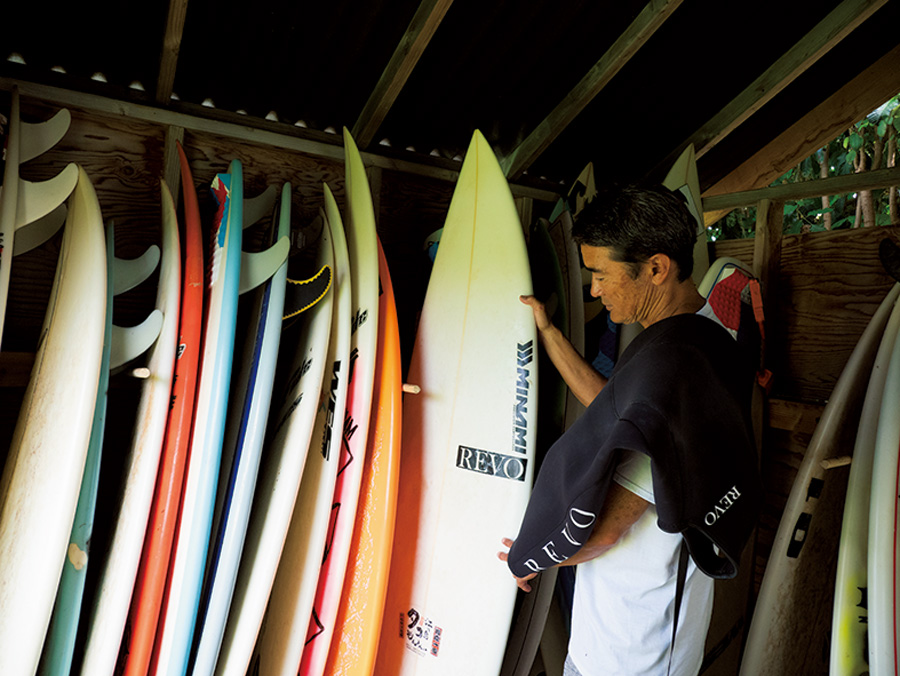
112 598
177 623
849 654
304 349
569 259
242 449
42 476
362 248
354 643
140 628
59 644
531 613
882 564
474 361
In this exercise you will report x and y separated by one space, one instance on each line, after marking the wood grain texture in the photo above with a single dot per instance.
830 285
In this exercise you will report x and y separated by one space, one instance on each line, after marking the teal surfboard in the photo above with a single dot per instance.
182 597
248 411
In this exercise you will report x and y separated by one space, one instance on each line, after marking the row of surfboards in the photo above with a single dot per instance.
264 522
273 528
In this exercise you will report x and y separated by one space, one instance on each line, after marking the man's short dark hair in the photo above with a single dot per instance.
637 222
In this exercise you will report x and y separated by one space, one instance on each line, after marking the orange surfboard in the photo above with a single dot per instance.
358 626
140 631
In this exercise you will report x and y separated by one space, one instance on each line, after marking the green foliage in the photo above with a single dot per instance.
843 155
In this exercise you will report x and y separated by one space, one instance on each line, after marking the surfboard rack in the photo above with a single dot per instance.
839 461
411 389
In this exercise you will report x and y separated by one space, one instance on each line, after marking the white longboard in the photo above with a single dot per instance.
781 623
883 565
849 626
468 440
59 644
43 471
120 563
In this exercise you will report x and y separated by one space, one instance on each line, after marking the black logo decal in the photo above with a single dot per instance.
490 463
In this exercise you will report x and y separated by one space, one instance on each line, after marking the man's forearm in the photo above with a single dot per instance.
580 376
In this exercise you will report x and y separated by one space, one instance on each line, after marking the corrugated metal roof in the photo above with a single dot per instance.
500 66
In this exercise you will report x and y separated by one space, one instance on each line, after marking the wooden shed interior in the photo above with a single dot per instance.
756 87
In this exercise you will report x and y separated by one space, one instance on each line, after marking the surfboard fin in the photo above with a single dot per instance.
36 200
301 295
583 190
34 234
128 273
256 268
257 207
129 343
39 137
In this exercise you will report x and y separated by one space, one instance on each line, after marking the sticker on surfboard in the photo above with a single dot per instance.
423 636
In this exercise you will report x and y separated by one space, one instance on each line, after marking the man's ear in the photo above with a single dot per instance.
662 267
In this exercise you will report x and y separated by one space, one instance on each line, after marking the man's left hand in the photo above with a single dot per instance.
521 582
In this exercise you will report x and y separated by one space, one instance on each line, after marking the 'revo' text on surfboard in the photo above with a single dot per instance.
496 464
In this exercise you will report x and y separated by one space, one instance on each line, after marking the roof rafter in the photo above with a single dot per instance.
851 103
168 60
411 46
654 14
810 48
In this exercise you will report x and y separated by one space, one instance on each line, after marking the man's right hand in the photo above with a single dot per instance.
541 318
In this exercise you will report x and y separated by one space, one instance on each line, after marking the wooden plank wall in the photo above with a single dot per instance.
124 159
828 286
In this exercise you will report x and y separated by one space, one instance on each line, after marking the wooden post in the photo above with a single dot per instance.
767 246
171 163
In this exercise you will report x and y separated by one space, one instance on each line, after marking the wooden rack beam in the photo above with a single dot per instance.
835 185
411 46
654 14
301 141
826 121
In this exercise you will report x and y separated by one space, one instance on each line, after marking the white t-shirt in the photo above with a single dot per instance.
624 599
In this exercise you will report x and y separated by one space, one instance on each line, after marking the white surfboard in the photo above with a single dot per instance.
570 261
42 476
362 249
304 352
882 566
242 449
59 644
468 440
849 628
782 615
279 646
120 563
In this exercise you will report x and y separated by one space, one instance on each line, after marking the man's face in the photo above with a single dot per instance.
625 298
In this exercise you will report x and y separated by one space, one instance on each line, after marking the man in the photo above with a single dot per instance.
662 456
